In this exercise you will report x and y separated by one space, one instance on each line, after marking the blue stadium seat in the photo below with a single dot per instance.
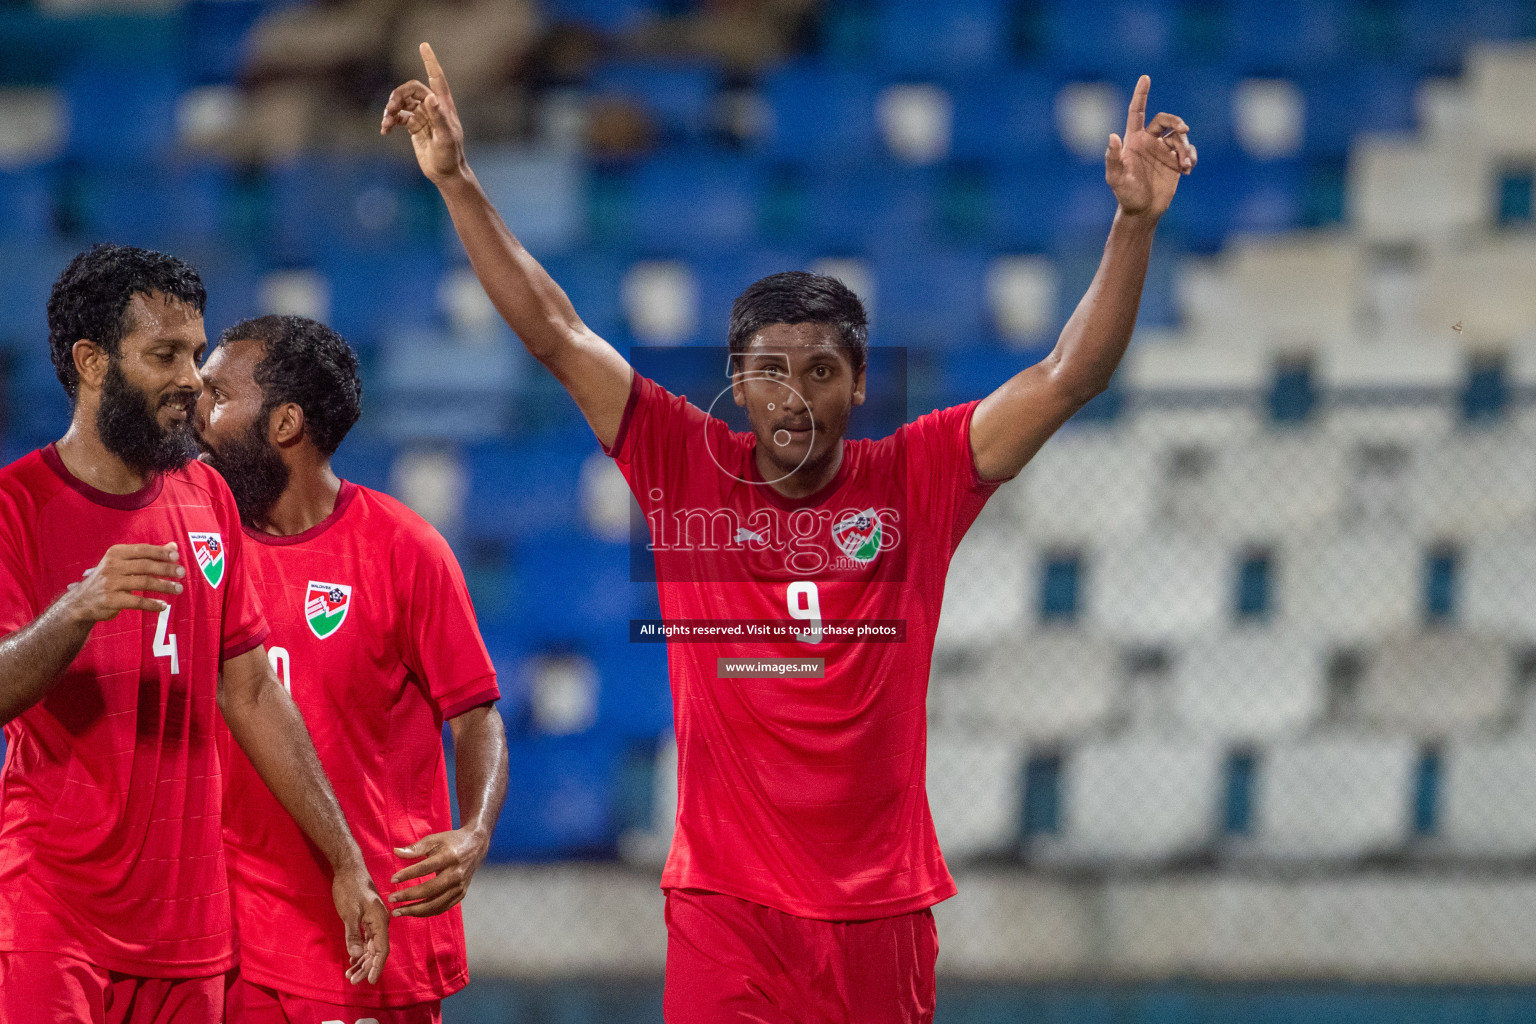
328 205
563 801
525 490
679 97
724 277
694 204
572 589
821 116
636 695
365 461
26 204
1115 38
1288 36
1234 194
41 409
233 281
1005 117
930 298
29 272
1436 34
592 280
1343 103
608 15
876 207
1051 205
919 37
385 289
121 114
155 208
216 32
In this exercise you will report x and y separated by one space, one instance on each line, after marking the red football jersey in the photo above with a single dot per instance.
110 848
803 794
374 635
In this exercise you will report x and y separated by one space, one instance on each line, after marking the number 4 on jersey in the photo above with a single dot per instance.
165 641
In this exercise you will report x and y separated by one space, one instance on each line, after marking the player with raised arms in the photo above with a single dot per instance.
374 635
129 622
804 861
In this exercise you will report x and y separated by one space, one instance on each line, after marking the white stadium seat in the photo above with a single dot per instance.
1472 484
1436 683
1247 685
1334 797
1350 587
1488 797
1085 485
1499 585
975 791
1052 685
1139 798
1159 588
989 590
1289 483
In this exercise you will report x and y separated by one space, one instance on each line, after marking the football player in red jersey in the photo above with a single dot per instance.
804 861
374 634
129 622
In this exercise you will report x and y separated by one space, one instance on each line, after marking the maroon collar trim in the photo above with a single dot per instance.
343 499
123 502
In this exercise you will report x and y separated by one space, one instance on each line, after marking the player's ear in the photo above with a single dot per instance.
91 361
738 392
858 386
287 424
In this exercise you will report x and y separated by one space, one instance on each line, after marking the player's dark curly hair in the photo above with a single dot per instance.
796 297
311 365
90 299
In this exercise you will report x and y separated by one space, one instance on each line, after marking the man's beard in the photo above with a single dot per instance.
256 474
130 429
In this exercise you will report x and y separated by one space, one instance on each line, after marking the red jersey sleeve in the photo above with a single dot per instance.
444 647
245 626
943 480
658 435
18 603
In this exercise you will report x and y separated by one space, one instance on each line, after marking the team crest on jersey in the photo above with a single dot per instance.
208 550
858 535
325 606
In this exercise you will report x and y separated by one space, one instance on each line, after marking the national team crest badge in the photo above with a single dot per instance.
858 535
208 550
325 606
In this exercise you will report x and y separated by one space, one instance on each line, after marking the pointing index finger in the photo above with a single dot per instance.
1136 118
436 80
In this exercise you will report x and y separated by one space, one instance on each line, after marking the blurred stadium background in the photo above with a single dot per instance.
1232 715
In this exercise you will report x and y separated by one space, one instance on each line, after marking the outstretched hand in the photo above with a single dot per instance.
1144 168
428 113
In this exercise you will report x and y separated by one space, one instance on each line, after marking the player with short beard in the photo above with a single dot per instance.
804 861
374 634
128 623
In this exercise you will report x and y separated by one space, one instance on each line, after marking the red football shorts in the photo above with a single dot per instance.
249 1003
729 960
53 987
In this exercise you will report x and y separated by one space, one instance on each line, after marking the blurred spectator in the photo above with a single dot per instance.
745 36
484 46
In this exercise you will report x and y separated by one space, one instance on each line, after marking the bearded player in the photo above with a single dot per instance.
129 621
804 861
374 634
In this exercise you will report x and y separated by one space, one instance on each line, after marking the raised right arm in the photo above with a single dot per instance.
34 656
534 306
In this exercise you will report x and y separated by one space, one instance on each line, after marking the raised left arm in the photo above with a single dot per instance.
452 858
268 726
1011 424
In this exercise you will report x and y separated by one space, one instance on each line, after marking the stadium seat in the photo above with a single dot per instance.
120 114
543 195
1297 291
648 846
1046 206
693 204
408 275
1334 797
1471 484
365 461
722 276
1050 686
575 590
1085 485
1501 78
914 37
1233 194
1344 103
563 803
1489 797
1112 38
607 15
931 298
1248 685
1499 591
525 490
975 792
1277 485
1483 286
986 591
635 694
1437 683
821 116
26 204
1139 799
1159 588
877 209
1005 117
1291 37
661 302
1402 190
1350 588
592 280
678 96
216 32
